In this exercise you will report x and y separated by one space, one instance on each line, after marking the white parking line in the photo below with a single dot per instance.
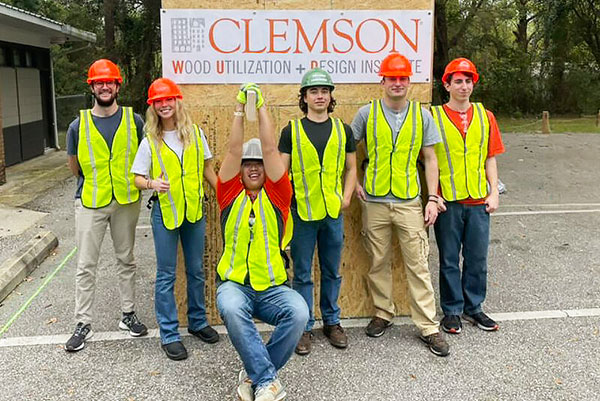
554 205
534 212
347 323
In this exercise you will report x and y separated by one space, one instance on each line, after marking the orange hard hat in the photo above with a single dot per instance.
460 65
395 65
163 88
104 70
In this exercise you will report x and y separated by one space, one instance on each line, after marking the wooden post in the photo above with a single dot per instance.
598 119
546 122
251 106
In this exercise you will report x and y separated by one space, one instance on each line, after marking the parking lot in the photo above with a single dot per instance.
544 290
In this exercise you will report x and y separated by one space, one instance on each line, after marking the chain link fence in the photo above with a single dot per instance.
67 109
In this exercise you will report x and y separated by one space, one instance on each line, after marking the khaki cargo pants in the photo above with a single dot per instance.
379 221
90 227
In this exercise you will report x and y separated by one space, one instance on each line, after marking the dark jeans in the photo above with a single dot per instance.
467 227
328 236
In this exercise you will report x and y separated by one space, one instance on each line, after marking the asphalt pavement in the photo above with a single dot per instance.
544 276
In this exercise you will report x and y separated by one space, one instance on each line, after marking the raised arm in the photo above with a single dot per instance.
232 161
274 166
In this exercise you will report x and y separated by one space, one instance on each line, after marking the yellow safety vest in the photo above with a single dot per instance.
393 166
318 187
107 172
462 160
184 197
256 250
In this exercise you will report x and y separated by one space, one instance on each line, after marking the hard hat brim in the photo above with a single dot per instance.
156 98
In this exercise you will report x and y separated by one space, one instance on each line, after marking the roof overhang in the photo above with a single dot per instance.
24 27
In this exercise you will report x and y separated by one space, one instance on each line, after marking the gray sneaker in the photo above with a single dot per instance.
244 390
436 344
132 324
273 391
82 333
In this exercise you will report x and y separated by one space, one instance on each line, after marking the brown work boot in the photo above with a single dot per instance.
305 344
335 334
377 327
436 344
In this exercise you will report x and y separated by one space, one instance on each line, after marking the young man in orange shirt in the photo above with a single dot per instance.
469 194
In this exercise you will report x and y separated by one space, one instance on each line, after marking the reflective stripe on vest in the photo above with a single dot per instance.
462 160
253 250
318 187
185 177
107 173
393 165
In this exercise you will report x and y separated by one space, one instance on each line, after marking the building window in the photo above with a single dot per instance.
3 57
17 58
28 59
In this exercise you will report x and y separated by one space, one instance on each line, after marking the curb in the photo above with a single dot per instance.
14 270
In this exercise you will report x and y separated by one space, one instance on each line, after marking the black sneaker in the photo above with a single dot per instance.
77 341
377 327
482 321
175 350
132 323
436 344
451 324
207 334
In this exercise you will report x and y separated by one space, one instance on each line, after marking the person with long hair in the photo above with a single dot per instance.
172 160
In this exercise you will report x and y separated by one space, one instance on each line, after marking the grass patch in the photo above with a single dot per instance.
558 124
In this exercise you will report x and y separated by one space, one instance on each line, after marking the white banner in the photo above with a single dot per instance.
201 46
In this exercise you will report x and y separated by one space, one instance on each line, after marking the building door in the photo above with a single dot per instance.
10 116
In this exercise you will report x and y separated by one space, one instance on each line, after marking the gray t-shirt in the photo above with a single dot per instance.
395 119
107 126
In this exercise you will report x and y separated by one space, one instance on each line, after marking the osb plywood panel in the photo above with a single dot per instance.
303 5
383 5
198 96
354 296
212 107
214 4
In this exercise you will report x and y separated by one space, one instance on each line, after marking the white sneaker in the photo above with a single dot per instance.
273 391
244 389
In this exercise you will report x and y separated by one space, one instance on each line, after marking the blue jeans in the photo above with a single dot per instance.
165 245
278 306
467 227
328 236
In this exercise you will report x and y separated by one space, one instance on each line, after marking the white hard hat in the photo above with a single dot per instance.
252 150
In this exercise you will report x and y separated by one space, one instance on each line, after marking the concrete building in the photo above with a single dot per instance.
27 101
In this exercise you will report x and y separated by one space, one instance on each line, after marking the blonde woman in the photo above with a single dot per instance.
172 160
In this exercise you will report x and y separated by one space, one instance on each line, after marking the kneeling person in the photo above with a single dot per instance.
254 195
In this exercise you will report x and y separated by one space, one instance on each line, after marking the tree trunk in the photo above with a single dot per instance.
440 55
110 7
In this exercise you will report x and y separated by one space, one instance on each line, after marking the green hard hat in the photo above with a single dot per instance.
316 77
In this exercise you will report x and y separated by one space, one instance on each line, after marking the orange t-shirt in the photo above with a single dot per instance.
462 120
279 192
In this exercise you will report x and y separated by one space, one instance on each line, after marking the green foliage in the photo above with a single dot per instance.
531 55
136 46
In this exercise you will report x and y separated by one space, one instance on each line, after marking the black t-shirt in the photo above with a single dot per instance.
318 134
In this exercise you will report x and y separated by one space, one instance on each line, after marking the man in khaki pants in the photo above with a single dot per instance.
395 131
101 146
